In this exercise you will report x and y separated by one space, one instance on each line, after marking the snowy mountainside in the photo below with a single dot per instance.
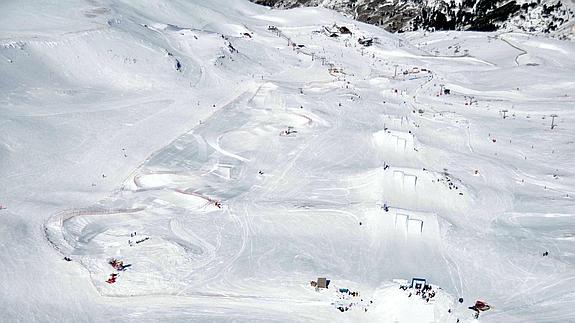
554 18
211 160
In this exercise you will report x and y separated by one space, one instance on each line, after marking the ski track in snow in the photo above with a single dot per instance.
231 163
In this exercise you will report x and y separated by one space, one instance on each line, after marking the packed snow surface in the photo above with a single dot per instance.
227 155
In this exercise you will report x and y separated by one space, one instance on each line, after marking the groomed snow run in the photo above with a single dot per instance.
228 155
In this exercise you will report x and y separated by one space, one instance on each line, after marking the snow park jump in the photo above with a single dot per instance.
190 161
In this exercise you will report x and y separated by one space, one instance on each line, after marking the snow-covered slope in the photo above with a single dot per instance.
553 18
231 154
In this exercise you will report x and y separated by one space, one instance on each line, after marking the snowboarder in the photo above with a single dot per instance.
67 259
546 253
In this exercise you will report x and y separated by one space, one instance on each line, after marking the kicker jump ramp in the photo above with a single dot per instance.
395 141
403 223
415 224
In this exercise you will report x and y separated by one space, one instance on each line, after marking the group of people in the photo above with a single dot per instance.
427 293
348 300
133 235
449 182
385 207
